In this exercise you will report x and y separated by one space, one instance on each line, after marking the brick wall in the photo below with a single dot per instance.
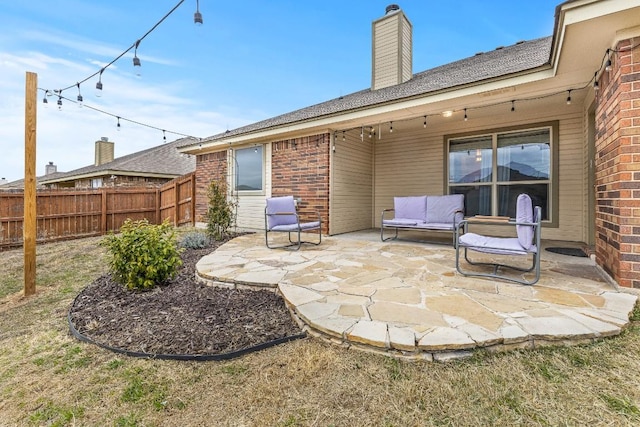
208 167
300 168
618 166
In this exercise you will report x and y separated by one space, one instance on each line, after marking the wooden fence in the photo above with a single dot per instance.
70 214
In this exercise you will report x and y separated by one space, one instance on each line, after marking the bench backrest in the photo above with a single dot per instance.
443 209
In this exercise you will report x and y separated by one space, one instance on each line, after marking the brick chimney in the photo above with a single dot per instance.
104 151
392 57
50 168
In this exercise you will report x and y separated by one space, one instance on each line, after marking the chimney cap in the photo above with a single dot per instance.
391 8
104 138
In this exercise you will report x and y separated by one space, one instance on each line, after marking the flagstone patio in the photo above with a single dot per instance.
407 300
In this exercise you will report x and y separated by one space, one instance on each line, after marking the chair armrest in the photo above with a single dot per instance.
383 212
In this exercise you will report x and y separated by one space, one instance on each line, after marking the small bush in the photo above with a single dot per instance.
143 255
194 240
220 213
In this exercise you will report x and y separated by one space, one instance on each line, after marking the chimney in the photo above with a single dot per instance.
104 151
50 168
392 57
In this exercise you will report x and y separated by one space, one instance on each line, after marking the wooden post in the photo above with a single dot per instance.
30 218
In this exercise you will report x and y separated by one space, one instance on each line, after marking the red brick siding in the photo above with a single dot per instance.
300 168
618 166
208 167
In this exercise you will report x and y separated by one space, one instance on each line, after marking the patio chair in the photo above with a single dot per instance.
526 243
280 215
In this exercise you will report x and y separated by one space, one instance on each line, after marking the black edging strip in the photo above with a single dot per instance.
190 357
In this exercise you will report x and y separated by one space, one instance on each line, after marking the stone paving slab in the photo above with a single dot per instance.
407 300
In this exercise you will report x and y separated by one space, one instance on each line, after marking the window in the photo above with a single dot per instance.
249 169
96 183
492 170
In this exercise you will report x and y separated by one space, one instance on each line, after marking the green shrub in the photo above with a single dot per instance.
143 255
194 240
220 214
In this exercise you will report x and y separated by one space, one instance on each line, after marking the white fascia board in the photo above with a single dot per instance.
330 123
580 11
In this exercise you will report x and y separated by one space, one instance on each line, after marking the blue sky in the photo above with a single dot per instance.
251 60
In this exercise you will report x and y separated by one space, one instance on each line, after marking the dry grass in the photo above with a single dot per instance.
48 378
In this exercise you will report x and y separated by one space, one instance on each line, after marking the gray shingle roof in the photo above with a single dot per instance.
517 58
163 159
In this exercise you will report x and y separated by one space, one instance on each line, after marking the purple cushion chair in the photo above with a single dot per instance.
280 215
526 243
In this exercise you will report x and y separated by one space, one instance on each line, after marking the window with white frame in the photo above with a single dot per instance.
491 170
249 167
96 183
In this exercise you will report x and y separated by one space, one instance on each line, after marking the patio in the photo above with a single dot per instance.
407 300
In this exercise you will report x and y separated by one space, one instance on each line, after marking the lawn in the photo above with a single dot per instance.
49 378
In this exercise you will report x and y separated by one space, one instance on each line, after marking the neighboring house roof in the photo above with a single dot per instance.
163 160
501 62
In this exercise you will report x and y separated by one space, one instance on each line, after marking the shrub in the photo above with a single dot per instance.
220 214
143 255
194 240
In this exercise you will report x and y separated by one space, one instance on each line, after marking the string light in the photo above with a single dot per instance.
362 133
596 86
99 84
197 16
424 125
607 67
343 137
118 125
164 136
390 127
136 60
59 102
79 98
569 97
465 115
513 105
45 101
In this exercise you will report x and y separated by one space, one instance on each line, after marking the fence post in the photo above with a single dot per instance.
193 199
158 205
103 199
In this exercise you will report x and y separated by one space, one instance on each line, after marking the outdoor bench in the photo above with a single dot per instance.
428 213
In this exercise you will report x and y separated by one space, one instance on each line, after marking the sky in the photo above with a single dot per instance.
249 61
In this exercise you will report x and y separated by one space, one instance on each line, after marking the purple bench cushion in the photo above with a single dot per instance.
442 209
400 222
494 245
524 213
411 207
280 204
294 227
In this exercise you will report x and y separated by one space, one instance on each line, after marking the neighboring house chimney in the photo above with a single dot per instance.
392 58
50 168
104 151
3 181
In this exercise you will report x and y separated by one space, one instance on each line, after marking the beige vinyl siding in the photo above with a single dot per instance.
385 51
351 185
250 211
407 60
412 161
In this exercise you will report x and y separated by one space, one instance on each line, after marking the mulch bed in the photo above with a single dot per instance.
180 317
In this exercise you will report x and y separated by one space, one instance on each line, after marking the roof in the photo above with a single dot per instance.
501 62
161 160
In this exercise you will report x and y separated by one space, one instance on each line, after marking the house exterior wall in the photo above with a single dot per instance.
412 161
351 202
618 166
211 166
300 168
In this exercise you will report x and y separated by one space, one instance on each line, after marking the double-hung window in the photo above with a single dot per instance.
249 169
492 169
